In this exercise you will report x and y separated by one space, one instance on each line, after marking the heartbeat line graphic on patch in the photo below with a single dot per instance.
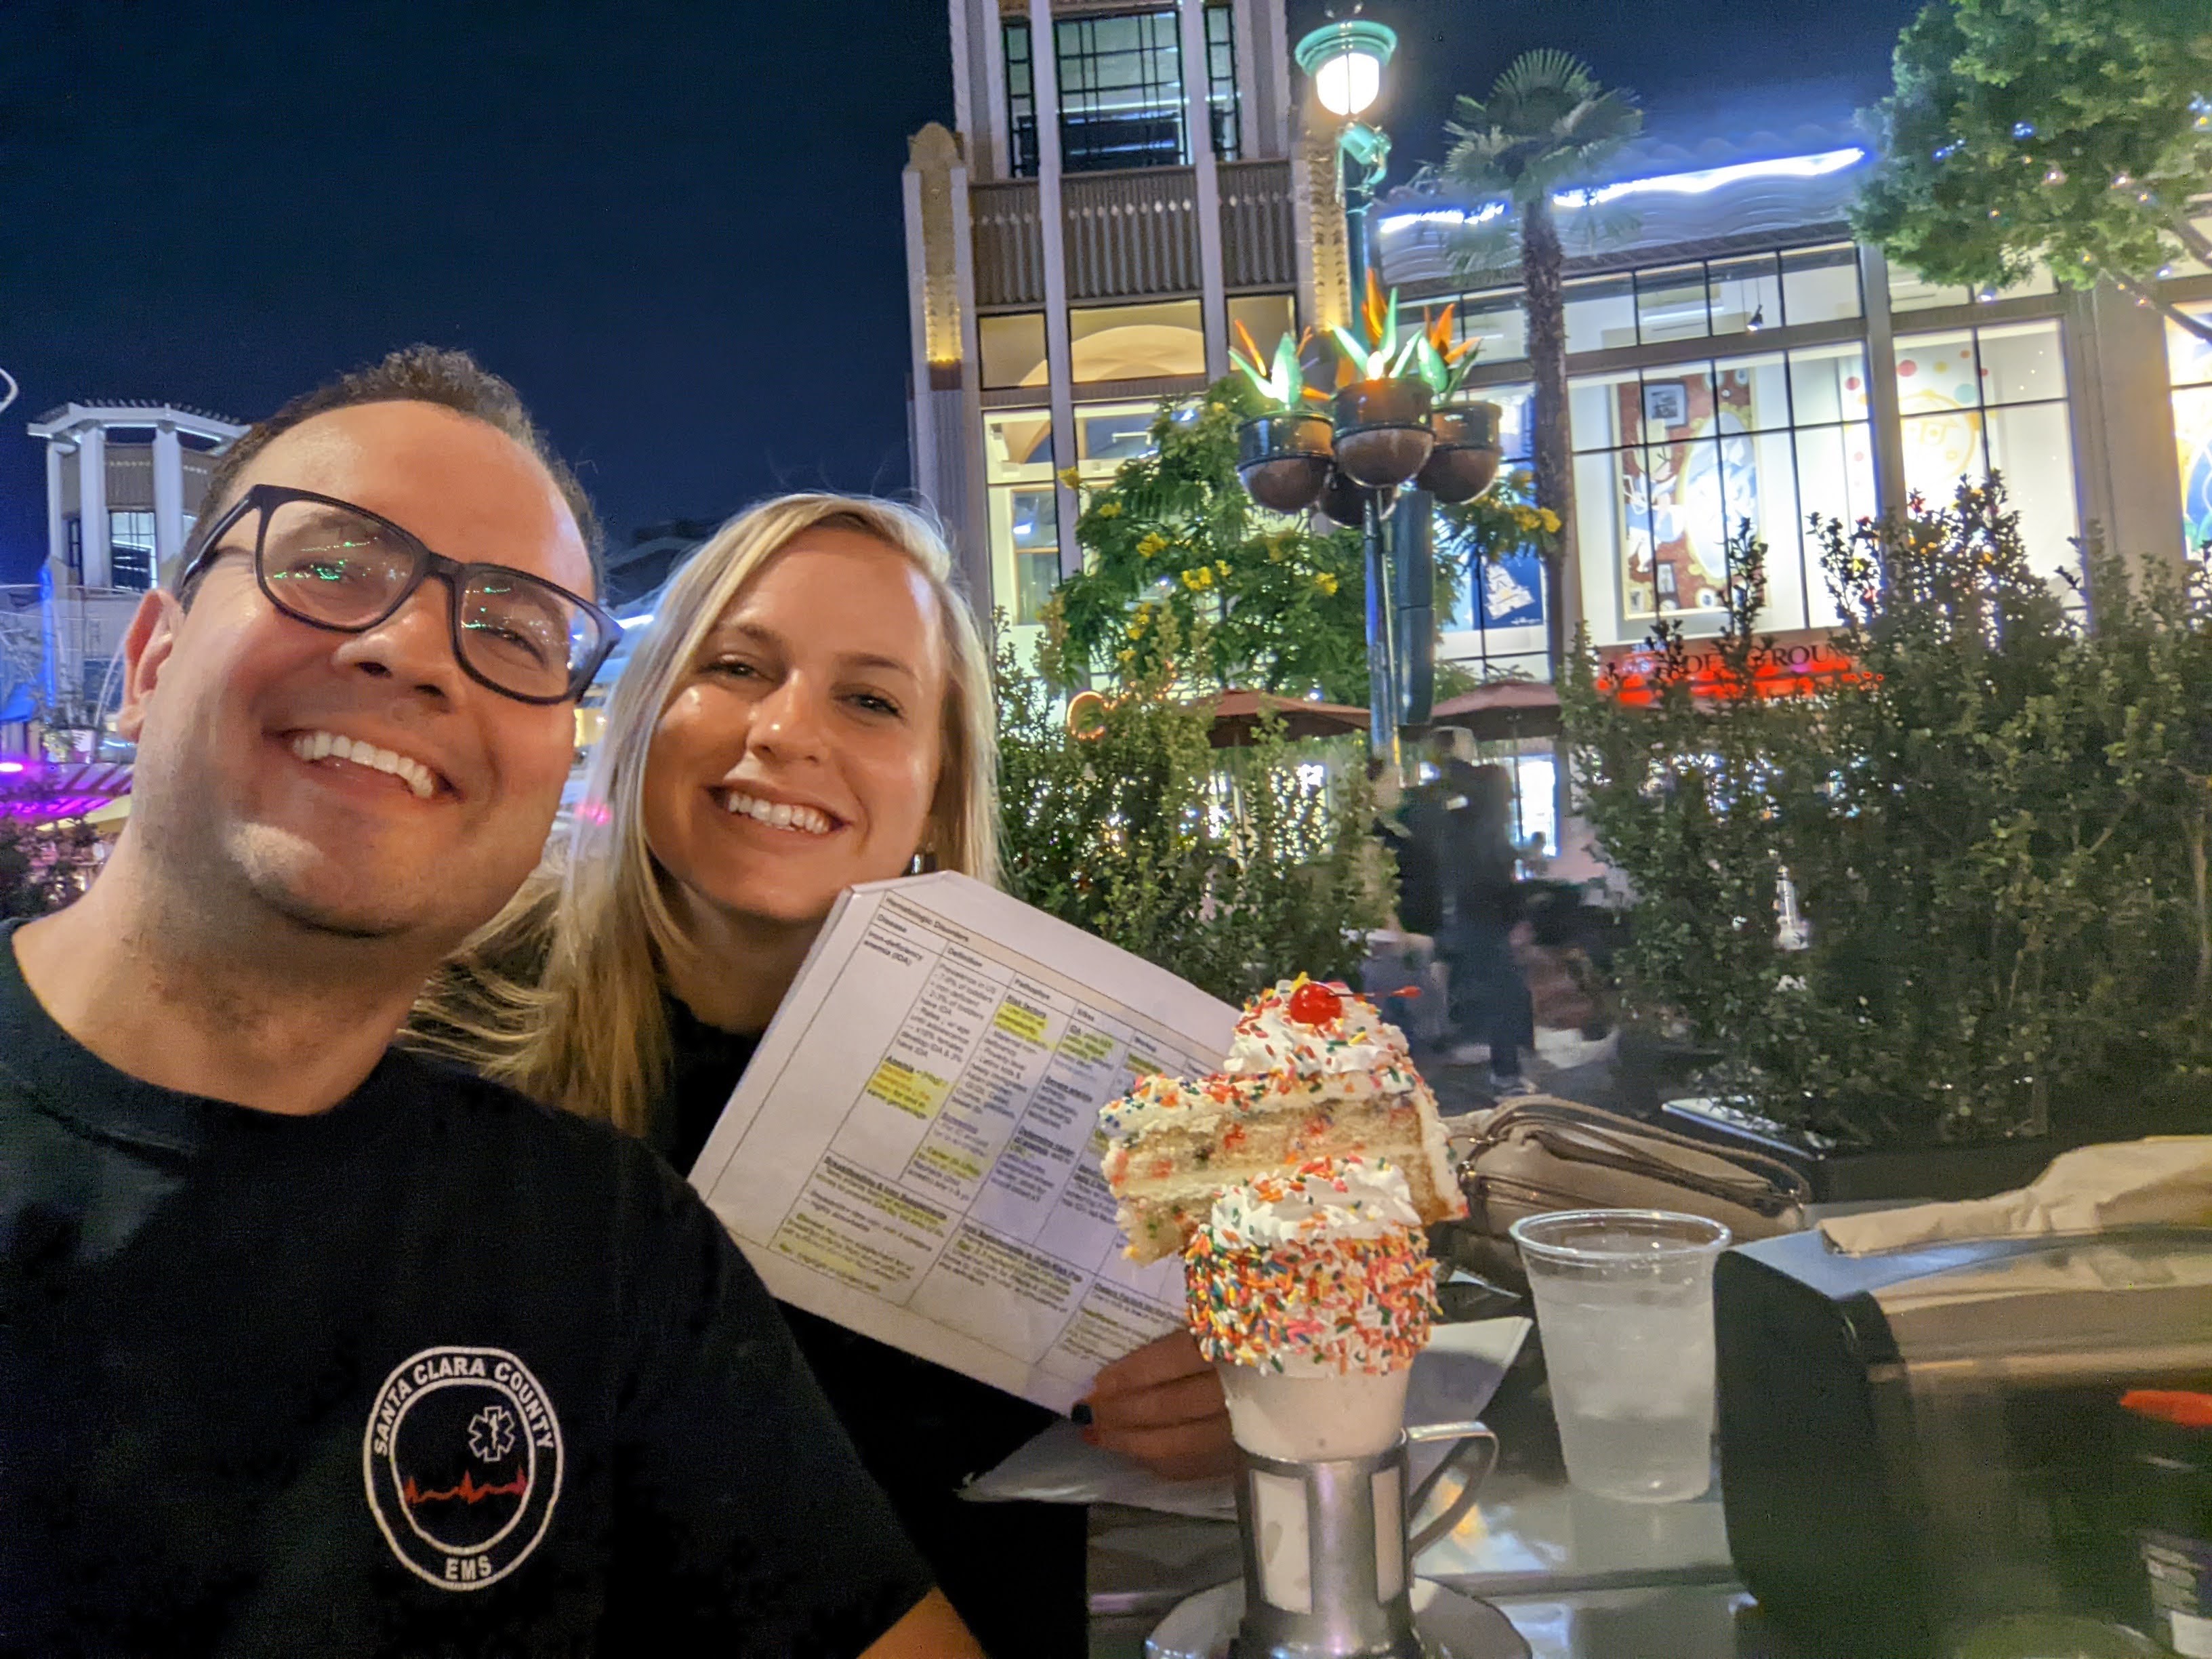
468 1492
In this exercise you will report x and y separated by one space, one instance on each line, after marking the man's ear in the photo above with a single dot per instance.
146 647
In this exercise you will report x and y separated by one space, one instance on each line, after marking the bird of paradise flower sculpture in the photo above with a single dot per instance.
1281 382
1283 455
1437 360
1382 412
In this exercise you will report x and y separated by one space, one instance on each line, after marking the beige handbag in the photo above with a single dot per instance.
1538 1154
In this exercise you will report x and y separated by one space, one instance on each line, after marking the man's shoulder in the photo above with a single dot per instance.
460 1102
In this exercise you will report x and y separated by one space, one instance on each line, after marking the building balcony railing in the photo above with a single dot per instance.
1134 234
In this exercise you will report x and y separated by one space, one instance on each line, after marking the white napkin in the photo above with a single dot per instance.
2164 1179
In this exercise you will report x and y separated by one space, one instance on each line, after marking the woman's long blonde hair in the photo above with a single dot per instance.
560 995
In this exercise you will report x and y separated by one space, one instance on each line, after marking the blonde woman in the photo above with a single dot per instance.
811 708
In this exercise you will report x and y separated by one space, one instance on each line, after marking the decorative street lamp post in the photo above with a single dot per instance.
1391 450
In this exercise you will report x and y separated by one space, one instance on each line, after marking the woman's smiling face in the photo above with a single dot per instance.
802 754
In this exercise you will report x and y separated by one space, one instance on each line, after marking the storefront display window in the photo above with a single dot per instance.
1671 462
1976 401
2189 365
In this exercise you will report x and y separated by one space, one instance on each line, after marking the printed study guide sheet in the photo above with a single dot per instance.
913 1151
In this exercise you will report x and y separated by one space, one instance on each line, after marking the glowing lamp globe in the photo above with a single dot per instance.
1345 59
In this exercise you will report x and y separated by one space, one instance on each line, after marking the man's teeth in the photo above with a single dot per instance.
779 814
314 745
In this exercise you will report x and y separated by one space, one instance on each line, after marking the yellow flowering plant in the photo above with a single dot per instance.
1175 549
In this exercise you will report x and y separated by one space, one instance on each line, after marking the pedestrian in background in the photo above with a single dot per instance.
1490 1003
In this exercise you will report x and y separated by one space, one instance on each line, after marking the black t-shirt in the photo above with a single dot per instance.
436 1372
1014 1571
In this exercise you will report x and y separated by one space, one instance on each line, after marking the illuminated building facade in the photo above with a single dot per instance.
1734 355
1079 246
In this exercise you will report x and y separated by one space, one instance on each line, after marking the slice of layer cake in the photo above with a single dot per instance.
1316 1072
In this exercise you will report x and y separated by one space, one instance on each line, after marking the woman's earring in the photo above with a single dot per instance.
924 861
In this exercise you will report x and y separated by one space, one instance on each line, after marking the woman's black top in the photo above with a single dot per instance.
1014 1571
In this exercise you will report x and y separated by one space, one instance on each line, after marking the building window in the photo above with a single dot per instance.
1221 82
1266 318
1121 82
1979 400
1670 462
73 547
1497 323
1024 513
1013 349
131 550
1108 434
1120 92
1137 343
2189 365
1910 293
1033 533
1021 104
1740 295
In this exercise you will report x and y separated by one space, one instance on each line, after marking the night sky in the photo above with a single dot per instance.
676 228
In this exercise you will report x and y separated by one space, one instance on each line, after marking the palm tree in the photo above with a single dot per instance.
1547 126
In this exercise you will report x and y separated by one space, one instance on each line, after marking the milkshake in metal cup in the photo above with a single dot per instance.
1311 1290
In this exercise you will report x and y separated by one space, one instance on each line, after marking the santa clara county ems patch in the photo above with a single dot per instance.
462 1458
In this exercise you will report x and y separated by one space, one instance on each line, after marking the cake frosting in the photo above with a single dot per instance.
1322 1270
1314 1071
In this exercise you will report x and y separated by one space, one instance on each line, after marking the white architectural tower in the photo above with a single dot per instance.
124 485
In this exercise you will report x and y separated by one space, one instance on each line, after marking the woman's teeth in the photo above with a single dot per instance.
778 815
314 745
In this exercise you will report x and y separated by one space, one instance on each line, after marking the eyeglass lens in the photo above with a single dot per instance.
325 565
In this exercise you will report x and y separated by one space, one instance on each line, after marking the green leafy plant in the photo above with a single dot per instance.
1229 867
1177 551
1997 824
1504 519
43 866
2069 135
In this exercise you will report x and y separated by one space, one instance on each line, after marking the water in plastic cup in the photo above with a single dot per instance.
1624 1302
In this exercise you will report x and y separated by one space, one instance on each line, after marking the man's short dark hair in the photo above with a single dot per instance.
413 374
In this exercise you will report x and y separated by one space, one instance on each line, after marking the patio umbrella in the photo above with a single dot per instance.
1237 713
1503 710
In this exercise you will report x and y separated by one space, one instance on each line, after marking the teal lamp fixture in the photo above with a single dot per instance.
1345 58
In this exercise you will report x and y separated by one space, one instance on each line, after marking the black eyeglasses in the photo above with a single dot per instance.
331 564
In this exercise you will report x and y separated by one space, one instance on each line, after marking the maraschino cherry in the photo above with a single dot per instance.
1314 1003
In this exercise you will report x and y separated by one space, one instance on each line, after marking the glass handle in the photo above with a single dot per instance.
1469 1436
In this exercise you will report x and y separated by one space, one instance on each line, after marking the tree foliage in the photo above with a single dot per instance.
1998 830
1177 557
2065 134
42 866
1229 867
1180 566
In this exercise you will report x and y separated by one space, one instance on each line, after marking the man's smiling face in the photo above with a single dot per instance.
357 783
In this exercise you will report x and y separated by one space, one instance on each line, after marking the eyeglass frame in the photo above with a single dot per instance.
266 498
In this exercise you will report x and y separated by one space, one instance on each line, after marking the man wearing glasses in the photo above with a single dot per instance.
306 1345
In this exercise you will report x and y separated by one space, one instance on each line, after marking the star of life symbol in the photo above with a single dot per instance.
491 1434
462 1461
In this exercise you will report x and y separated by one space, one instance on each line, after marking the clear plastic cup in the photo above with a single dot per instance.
1624 1304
